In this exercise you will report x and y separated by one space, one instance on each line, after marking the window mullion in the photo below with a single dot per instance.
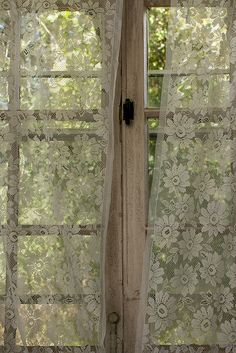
134 168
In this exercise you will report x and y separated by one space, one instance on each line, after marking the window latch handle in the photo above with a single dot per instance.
128 111
113 319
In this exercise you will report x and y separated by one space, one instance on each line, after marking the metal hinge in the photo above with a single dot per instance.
128 111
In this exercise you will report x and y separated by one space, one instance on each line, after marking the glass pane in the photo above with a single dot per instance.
60 41
216 92
184 25
51 264
152 134
61 180
213 90
157 19
60 93
154 91
193 27
56 325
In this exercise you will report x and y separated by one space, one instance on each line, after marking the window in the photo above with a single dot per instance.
135 67
54 144
55 65
197 89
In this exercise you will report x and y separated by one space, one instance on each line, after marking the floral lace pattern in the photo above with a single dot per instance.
191 298
58 63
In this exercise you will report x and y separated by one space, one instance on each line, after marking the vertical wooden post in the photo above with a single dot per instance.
114 283
134 166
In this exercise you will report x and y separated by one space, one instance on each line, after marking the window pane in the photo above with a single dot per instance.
216 57
157 22
157 29
57 325
51 264
60 41
203 28
152 134
214 91
61 180
154 91
77 52
60 93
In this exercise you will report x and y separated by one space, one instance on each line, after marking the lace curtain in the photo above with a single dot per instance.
189 297
58 63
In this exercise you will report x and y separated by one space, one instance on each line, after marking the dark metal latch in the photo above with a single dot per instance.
128 111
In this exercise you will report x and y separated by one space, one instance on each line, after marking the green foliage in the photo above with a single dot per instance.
157 27
157 21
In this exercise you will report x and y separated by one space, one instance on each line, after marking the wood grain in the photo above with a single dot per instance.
134 161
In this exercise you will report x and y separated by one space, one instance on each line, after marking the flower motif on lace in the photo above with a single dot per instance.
66 281
196 155
180 130
184 280
212 269
227 336
161 310
166 230
90 7
214 218
71 3
203 323
184 206
5 5
156 274
228 188
229 118
204 187
109 29
110 8
231 273
190 246
223 299
217 142
28 26
176 179
92 298
42 5
229 245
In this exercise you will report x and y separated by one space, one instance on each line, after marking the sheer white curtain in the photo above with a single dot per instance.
189 296
58 64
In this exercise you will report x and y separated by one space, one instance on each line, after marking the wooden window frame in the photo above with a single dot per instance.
134 166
